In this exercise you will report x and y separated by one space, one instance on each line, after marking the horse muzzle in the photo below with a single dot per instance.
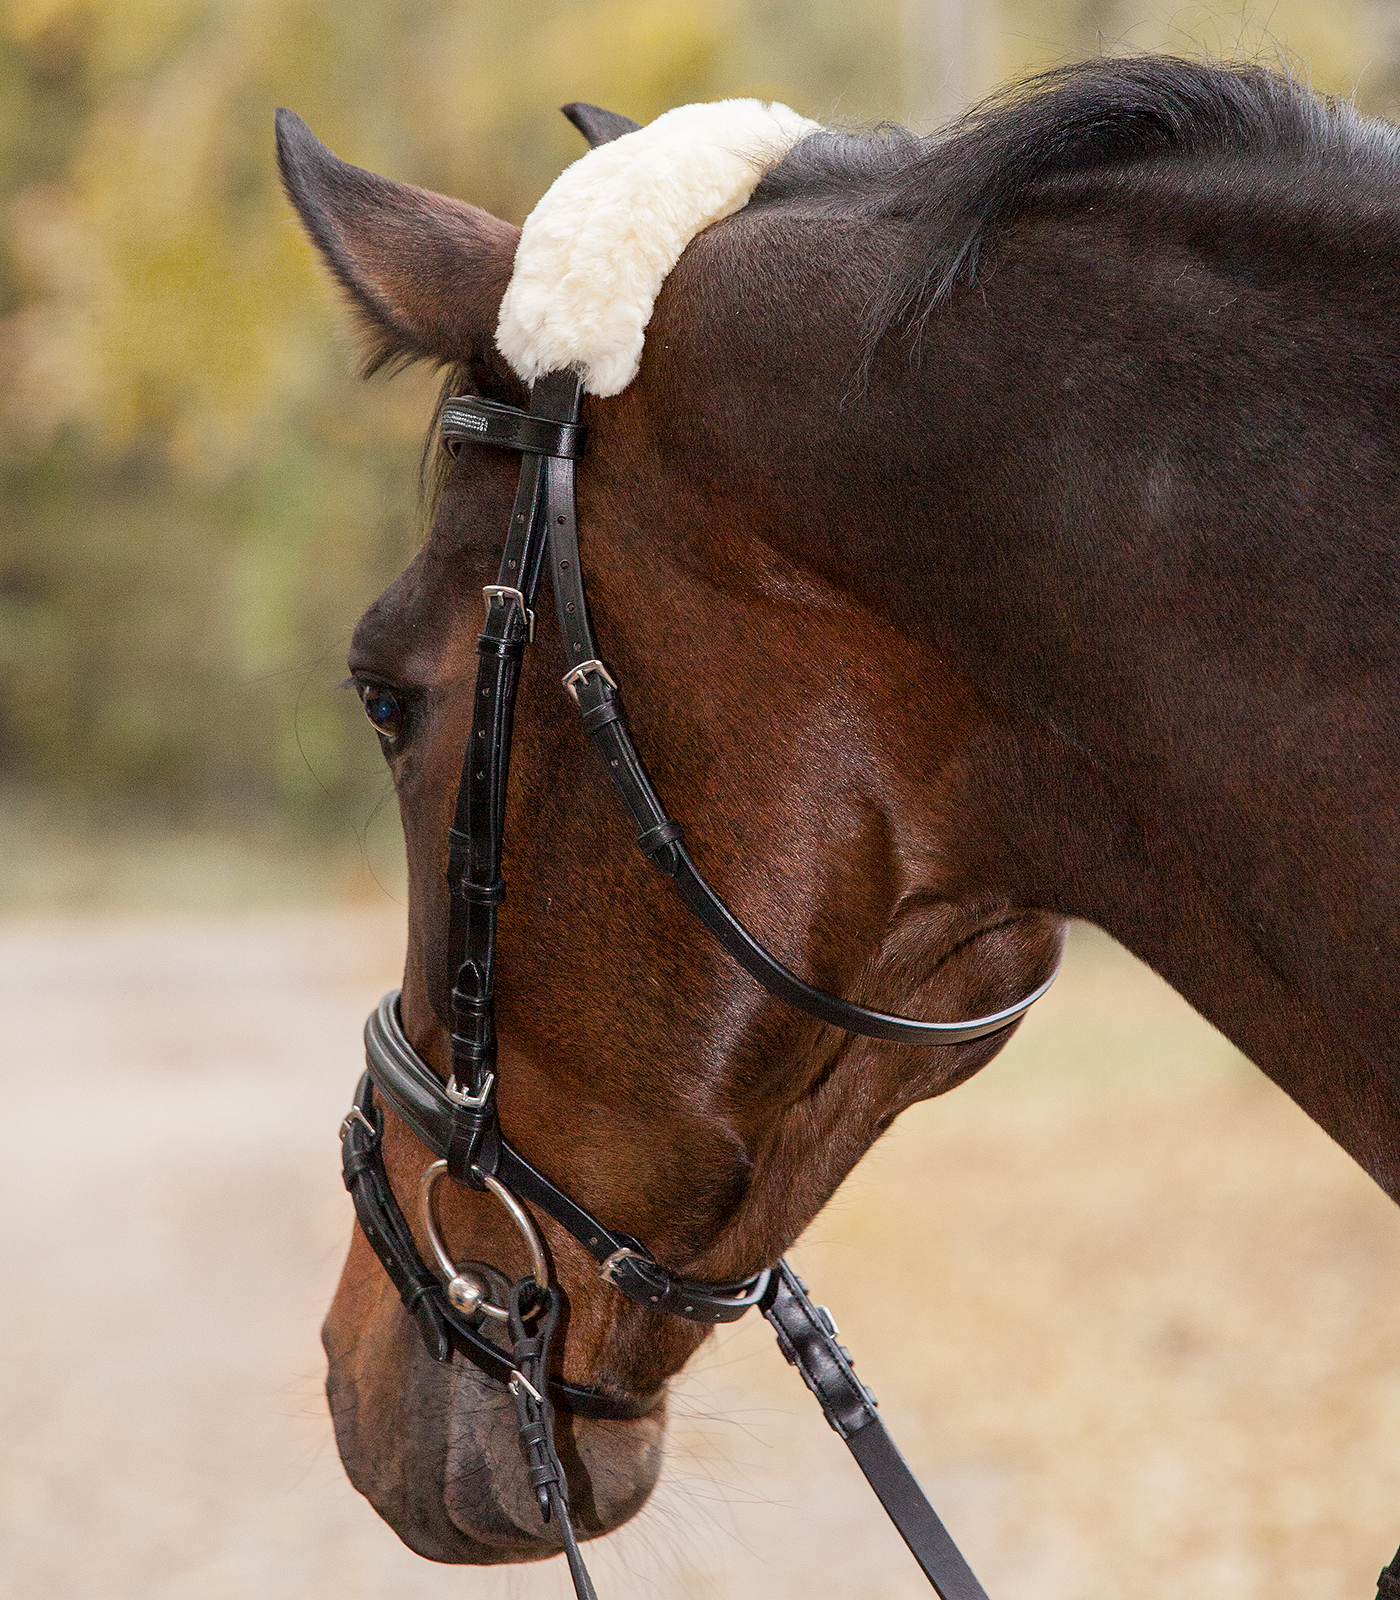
435 1448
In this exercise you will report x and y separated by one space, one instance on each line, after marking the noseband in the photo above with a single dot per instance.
457 1120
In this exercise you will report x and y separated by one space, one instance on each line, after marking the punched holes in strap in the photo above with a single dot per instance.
470 419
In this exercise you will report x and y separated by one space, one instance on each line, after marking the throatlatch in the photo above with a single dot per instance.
458 1121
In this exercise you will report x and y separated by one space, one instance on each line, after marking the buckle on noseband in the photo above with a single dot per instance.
351 1117
607 1270
572 677
503 592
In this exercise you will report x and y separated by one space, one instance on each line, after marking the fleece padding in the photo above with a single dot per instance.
594 252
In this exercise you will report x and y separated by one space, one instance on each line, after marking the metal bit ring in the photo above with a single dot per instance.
427 1210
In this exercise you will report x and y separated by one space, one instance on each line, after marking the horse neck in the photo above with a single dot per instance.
1145 503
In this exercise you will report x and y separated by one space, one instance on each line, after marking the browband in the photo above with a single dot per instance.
470 419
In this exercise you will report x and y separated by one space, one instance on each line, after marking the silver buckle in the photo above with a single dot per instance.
572 676
518 1381
470 1102
502 591
607 1270
353 1115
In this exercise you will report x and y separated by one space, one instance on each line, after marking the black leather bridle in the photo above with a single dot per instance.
458 1120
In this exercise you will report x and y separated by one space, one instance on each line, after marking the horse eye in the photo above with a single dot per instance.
383 708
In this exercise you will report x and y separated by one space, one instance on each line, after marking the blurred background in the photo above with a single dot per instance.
197 497
1155 1352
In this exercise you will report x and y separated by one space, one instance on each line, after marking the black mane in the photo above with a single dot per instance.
952 191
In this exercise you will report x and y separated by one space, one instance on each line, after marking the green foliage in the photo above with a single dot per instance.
200 497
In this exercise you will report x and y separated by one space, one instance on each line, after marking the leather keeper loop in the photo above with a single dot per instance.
481 894
467 1002
654 840
545 1474
471 1020
508 649
601 716
469 1130
355 1162
485 1156
470 1124
473 1027
471 1055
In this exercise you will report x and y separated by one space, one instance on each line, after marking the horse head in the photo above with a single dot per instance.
830 769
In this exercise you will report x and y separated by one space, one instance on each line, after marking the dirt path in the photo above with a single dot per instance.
1146 1342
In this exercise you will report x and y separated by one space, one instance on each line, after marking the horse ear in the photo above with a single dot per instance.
596 125
425 273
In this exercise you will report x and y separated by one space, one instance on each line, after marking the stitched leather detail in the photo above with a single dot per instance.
417 1094
808 1339
470 419
441 1325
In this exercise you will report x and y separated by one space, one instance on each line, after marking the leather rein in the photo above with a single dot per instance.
459 1308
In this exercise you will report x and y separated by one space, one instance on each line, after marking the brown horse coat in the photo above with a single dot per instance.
1062 583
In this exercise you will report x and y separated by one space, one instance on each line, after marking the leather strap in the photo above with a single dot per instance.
807 1336
439 1322
442 1326
806 1333
457 1121
535 1419
470 419
417 1094
659 837
478 827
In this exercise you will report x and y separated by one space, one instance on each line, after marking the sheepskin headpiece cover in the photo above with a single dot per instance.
594 252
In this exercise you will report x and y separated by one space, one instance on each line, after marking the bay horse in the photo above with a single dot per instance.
999 527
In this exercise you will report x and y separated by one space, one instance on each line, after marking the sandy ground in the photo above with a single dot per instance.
1146 1341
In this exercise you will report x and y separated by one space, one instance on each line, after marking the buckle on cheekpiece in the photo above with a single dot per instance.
503 592
351 1117
470 1102
575 675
